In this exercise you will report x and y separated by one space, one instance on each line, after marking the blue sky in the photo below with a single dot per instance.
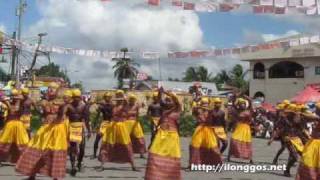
220 29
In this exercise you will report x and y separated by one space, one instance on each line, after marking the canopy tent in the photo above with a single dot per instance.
309 94
268 107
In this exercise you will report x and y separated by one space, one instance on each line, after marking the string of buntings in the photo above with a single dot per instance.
172 54
308 7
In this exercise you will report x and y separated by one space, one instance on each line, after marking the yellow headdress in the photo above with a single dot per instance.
119 92
25 91
76 93
15 92
67 93
217 100
286 102
132 96
155 94
204 100
53 85
318 105
280 106
107 94
291 108
240 101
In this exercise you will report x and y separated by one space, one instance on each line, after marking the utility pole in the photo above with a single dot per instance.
13 60
20 11
37 50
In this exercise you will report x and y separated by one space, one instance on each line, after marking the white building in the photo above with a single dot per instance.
278 74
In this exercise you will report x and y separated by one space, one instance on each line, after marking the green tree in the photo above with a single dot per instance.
197 74
125 68
237 76
77 85
52 70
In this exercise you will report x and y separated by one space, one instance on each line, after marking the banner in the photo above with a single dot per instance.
233 51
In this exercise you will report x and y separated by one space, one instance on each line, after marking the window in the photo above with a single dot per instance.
258 71
286 69
317 70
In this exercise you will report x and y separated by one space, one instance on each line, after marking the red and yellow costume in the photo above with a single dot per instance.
241 140
204 147
14 137
116 143
309 168
47 151
165 154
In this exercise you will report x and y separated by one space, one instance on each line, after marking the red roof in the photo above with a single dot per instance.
268 107
309 94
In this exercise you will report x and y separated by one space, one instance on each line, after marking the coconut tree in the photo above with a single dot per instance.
197 74
125 68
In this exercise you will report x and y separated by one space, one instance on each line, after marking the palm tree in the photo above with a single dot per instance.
197 74
125 68
203 74
190 74
237 75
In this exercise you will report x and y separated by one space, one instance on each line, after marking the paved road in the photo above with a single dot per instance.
263 154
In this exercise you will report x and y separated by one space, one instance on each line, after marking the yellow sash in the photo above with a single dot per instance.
75 131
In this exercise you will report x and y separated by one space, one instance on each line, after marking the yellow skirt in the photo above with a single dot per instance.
13 140
118 134
241 142
309 167
116 144
203 137
129 125
50 137
204 147
46 152
296 142
26 120
219 130
75 132
166 143
242 133
104 126
14 132
164 157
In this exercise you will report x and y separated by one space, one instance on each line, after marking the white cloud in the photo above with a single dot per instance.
2 28
271 37
90 25
254 37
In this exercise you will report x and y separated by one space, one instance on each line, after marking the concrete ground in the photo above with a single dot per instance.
263 154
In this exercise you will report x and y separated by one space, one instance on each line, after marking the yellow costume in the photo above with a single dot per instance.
204 147
13 140
309 168
75 132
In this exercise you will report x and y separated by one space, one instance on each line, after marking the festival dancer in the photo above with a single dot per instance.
14 137
78 117
105 109
134 127
276 134
289 132
310 160
165 154
219 124
241 140
4 109
27 104
204 147
116 143
47 150
154 113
